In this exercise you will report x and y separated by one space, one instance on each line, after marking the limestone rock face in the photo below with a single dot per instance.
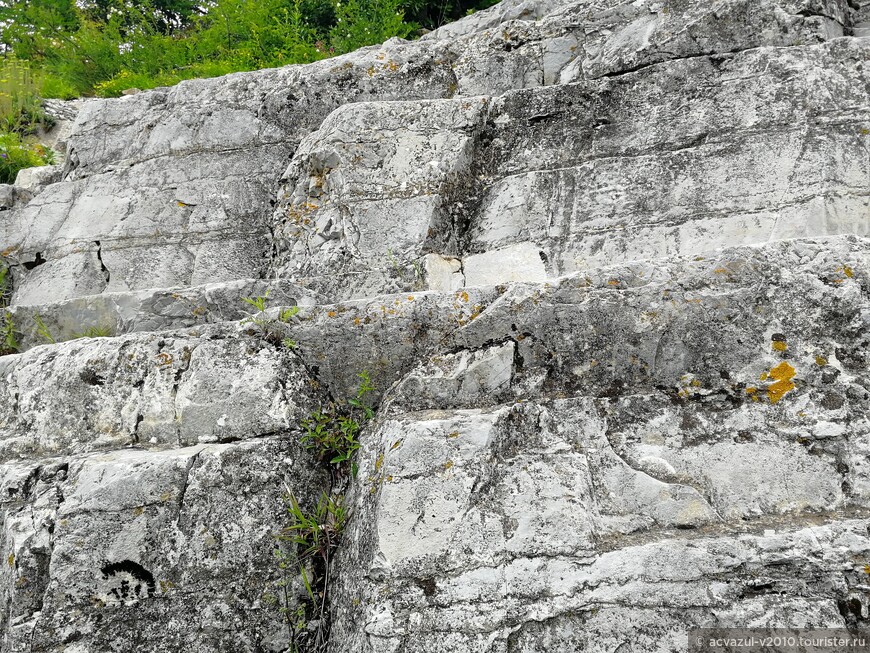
606 263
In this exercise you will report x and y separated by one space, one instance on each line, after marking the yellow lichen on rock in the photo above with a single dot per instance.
783 375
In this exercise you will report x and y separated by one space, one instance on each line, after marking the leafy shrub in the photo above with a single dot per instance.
16 154
367 22
53 86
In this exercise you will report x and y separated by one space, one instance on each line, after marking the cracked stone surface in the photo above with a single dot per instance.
606 263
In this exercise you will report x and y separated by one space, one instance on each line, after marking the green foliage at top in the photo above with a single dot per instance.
21 115
103 47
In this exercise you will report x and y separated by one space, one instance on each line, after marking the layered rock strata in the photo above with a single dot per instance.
607 265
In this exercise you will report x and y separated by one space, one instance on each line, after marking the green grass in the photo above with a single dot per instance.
75 48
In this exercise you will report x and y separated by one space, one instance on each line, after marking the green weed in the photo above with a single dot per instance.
257 302
313 536
333 431
288 313
42 329
95 332
17 154
8 334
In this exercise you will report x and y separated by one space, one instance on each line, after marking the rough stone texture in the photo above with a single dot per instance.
151 310
606 263
166 551
698 403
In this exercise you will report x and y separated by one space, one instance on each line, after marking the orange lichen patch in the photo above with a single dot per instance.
783 375
763 376
163 358
867 569
463 296
410 298
848 271
453 434
753 393
396 445
720 271
779 345
11 560
448 464
614 282
821 361
332 314
357 321
379 463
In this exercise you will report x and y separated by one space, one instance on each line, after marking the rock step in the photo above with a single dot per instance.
710 331
547 181
153 194
650 594
111 314
602 435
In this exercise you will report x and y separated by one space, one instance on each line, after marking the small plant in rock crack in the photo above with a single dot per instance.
5 286
288 313
94 332
272 330
257 302
314 536
334 431
42 329
8 335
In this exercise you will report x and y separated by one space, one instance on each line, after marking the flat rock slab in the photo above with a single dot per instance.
150 390
162 551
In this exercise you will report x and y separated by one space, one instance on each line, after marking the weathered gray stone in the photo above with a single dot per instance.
7 196
151 310
172 389
606 264
33 180
507 476
172 550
